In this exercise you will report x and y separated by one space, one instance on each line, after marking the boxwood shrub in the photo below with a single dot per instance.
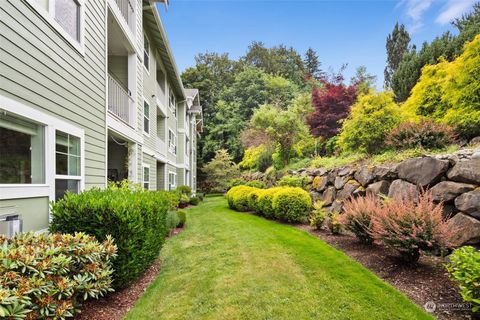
291 204
182 218
135 218
252 198
264 202
49 276
238 197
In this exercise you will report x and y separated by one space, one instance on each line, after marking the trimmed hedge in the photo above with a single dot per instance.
182 217
135 218
288 204
48 276
291 204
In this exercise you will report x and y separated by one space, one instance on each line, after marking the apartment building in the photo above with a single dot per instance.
89 93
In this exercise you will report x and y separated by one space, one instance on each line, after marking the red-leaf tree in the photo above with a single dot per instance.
331 103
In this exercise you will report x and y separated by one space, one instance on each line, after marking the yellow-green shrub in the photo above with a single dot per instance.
264 202
449 92
371 118
252 157
237 197
252 199
291 204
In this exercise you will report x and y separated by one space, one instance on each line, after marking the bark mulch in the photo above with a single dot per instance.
115 305
427 281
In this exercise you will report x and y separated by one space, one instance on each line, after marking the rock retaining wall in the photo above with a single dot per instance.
453 179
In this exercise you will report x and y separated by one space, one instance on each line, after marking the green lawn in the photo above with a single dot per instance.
229 265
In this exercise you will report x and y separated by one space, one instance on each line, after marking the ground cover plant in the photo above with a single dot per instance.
49 276
276 272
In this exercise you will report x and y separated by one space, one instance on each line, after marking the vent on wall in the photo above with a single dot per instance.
10 221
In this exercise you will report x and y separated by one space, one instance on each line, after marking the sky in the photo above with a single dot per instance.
340 31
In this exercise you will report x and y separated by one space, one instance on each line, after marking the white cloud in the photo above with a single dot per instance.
414 11
454 9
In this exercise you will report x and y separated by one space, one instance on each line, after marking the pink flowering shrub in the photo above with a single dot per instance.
410 226
357 216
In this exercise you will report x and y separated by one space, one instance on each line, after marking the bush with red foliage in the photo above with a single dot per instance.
426 134
331 103
410 226
357 216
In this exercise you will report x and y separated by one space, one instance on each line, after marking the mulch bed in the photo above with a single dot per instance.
426 281
116 304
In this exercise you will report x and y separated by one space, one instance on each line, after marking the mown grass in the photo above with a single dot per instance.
229 265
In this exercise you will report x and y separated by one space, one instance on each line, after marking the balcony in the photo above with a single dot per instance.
127 11
120 102
161 99
161 146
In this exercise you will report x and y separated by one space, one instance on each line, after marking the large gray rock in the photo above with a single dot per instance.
469 203
315 196
377 188
448 190
348 190
467 171
364 176
340 182
385 172
467 229
422 171
319 183
402 189
329 196
345 171
337 206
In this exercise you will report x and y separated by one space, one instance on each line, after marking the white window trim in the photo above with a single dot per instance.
173 186
66 176
173 108
51 124
148 53
172 147
147 133
145 165
49 16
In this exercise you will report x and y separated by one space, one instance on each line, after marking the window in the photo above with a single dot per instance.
146 176
67 14
22 150
146 117
146 53
172 104
172 142
172 181
67 164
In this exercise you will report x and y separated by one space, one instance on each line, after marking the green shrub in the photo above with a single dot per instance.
425 134
236 182
291 181
194 201
172 197
370 120
291 204
184 201
200 195
135 218
357 216
252 199
318 215
464 269
238 197
256 184
172 221
333 223
182 218
264 203
48 276
186 190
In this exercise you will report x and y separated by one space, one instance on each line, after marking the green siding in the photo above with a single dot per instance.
34 212
41 69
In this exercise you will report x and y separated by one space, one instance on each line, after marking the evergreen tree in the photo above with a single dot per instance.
312 65
397 45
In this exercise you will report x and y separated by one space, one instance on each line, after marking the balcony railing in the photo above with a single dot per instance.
120 102
161 97
161 146
126 9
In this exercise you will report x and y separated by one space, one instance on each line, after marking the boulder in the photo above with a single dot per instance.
403 189
331 176
467 171
329 196
347 190
315 196
385 172
448 190
448 211
319 183
469 203
337 206
318 172
345 171
340 182
422 171
364 176
377 188
359 192
467 229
